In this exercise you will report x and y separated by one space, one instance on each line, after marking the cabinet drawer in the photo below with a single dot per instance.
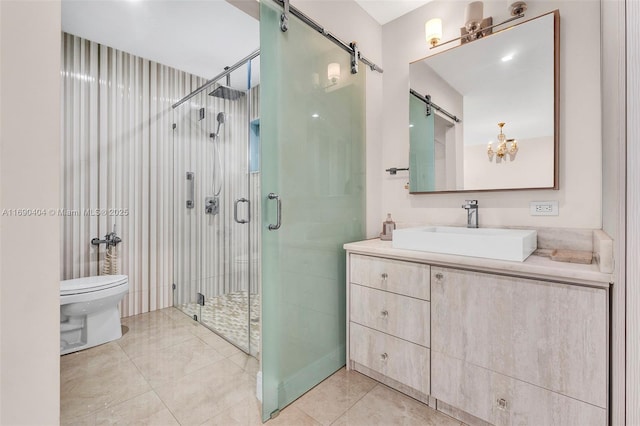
548 334
410 279
395 358
501 400
391 313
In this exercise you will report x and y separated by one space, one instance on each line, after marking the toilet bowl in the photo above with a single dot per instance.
89 313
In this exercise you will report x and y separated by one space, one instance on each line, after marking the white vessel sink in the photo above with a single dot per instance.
504 244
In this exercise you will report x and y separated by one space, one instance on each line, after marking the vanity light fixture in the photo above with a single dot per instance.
517 7
505 146
433 31
333 72
475 25
473 16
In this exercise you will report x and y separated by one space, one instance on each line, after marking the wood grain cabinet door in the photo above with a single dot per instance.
547 334
396 276
401 316
505 401
402 361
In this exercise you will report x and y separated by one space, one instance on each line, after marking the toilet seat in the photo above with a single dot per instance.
91 284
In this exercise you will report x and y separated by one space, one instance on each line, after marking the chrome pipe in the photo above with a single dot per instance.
227 71
319 28
436 107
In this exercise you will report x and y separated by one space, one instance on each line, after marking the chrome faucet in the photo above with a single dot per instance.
471 206
111 239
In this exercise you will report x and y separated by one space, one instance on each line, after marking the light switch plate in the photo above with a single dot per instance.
544 208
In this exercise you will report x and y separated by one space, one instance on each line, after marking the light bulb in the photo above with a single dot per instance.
473 16
333 72
433 31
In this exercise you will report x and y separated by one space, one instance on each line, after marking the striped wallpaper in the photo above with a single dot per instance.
123 164
213 252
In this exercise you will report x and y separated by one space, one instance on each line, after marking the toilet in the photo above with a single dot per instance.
89 313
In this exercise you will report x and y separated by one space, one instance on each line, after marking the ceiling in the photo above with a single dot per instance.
385 11
197 36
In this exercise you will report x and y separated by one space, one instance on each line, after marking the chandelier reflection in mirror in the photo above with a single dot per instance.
505 146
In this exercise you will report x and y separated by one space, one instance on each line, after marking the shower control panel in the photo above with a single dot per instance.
212 205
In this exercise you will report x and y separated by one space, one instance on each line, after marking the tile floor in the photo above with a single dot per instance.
228 314
169 370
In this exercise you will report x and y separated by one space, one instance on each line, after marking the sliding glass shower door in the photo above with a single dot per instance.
313 201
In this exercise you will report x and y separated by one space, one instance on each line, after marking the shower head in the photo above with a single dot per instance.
221 118
226 92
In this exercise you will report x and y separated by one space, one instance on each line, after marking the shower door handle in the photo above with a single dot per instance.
276 197
235 210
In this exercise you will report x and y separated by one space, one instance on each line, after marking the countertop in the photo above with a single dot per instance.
535 267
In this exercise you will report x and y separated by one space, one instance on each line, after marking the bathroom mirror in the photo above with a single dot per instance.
458 97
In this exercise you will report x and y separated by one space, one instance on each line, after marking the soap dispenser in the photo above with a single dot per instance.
387 228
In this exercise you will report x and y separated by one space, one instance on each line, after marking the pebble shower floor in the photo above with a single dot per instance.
227 315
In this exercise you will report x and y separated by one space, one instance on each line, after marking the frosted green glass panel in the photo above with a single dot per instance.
422 164
313 155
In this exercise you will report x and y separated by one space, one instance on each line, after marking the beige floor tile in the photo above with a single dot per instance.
89 384
206 393
93 358
146 409
246 413
174 313
176 361
179 317
291 416
147 337
146 321
334 396
88 420
386 407
249 364
216 342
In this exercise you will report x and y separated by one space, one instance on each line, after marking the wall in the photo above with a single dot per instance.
29 179
632 208
117 166
121 156
613 182
580 130
348 21
531 167
210 252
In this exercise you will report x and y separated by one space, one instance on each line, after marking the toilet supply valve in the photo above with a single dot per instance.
111 239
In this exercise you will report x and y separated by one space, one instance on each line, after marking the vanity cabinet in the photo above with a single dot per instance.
484 347
389 333
519 351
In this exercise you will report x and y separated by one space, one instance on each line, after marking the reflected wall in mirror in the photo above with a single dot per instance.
458 97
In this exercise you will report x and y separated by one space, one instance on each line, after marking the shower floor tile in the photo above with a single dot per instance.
227 315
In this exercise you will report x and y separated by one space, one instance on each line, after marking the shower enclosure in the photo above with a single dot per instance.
265 202
216 213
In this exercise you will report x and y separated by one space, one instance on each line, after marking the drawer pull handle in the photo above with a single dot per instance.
384 357
384 314
439 276
502 403
384 276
